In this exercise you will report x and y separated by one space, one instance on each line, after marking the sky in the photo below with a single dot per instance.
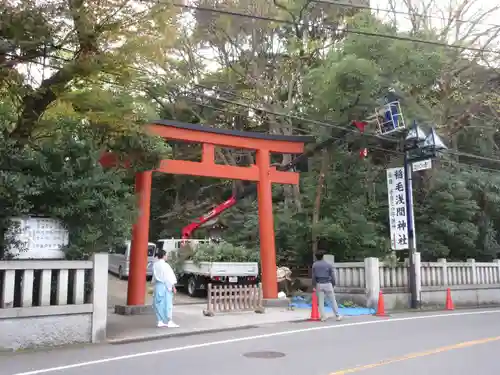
440 10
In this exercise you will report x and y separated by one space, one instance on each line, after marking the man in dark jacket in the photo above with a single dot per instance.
323 280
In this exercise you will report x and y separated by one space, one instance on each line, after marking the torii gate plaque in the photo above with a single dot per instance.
261 172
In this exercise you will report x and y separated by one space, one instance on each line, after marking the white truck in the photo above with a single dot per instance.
196 277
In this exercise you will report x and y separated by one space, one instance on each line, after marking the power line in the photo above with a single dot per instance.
325 124
401 153
393 11
472 156
371 147
325 2
305 131
448 162
470 166
346 30
282 114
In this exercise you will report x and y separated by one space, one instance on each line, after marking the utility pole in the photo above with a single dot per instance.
414 301
419 150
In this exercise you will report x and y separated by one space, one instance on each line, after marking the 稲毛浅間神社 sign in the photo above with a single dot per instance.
398 218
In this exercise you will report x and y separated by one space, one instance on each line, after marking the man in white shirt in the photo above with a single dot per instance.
164 289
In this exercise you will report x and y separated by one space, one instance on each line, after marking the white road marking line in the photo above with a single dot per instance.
249 338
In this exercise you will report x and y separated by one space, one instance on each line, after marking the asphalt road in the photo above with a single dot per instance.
463 342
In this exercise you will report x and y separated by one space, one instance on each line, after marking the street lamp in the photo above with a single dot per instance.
419 150
420 146
433 144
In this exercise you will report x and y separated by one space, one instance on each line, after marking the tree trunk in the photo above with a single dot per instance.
317 202
291 192
35 103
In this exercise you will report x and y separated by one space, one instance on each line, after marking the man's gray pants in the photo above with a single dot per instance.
326 290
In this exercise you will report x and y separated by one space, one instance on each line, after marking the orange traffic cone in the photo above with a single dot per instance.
449 301
314 308
381 305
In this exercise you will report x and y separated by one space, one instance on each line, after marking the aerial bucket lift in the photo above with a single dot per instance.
388 117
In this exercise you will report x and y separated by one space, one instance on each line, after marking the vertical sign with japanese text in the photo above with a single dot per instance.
398 218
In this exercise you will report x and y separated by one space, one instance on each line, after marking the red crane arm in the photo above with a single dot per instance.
190 228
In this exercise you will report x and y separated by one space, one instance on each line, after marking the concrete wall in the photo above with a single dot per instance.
62 312
43 331
464 296
471 283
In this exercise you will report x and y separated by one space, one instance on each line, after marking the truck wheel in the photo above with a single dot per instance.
192 290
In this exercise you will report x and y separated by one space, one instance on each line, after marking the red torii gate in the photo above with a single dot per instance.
261 172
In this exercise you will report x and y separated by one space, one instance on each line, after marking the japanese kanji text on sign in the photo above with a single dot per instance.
398 217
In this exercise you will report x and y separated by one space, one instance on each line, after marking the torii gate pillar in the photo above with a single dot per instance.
136 289
266 226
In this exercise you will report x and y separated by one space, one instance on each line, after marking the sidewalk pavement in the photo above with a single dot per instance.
135 328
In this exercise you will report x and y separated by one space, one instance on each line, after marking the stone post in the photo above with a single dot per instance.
497 262
99 297
444 272
473 272
418 275
329 258
372 280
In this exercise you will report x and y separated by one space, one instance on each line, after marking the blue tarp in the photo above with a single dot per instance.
302 303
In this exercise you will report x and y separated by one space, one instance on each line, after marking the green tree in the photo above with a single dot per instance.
62 178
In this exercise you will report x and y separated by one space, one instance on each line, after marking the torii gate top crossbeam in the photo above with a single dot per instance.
211 137
287 144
